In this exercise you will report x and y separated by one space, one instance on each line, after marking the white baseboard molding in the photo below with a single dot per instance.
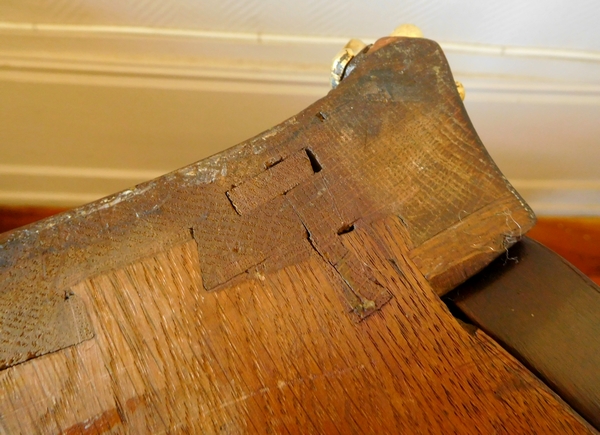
279 73
47 199
254 62
65 186
561 197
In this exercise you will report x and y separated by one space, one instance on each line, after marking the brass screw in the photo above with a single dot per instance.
407 30
343 58
461 90
355 46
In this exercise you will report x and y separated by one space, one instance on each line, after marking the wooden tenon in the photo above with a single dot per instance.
287 285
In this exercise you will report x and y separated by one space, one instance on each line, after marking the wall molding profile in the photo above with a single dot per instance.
295 68
122 52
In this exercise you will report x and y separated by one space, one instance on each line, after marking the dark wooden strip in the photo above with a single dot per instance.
577 239
56 321
548 314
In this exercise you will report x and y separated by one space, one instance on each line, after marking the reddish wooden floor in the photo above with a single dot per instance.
14 217
576 239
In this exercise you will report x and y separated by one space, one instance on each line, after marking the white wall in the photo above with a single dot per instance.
98 95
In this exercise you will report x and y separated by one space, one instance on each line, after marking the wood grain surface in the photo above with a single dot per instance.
392 139
276 354
576 239
289 284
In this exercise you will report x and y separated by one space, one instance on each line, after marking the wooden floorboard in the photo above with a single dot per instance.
577 239
17 216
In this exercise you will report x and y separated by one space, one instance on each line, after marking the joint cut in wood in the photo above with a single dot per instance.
284 284
278 179
32 326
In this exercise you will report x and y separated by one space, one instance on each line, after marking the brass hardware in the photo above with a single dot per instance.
461 90
343 58
407 30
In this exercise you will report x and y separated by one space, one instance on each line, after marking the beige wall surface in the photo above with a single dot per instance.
96 96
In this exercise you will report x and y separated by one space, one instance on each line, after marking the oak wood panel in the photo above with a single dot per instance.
474 245
276 354
272 288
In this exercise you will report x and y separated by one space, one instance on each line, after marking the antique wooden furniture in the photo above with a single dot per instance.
290 284
545 311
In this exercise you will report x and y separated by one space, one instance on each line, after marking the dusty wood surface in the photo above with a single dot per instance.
287 284
276 355
546 312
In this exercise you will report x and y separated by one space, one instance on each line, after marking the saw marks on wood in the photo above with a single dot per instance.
35 324
278 178
276 354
